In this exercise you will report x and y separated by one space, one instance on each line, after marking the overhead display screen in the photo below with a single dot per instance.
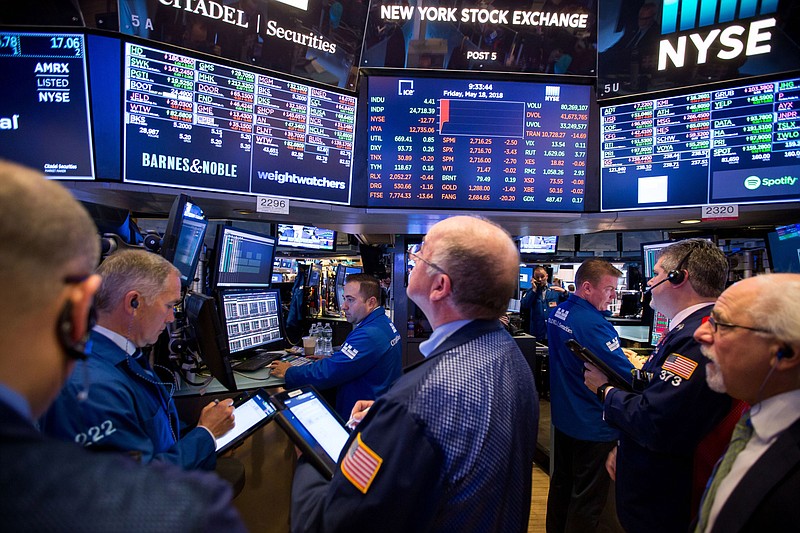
737 145
44 109
468 144
197 124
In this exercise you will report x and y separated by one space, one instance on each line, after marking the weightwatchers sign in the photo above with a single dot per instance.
507 35
312 39
653 45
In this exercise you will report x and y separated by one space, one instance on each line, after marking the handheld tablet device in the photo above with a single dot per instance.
313 426
588 356
252 411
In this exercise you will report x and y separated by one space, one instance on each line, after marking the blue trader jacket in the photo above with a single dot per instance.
660 429
126 410
369 362
541 303
575 409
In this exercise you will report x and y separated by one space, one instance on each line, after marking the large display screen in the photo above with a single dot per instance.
469 144
203 125
736 145
44 103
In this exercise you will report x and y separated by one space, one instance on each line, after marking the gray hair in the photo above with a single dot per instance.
132 270
705 262
46 236
776 308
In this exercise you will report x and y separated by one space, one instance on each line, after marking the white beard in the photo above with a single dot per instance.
714 379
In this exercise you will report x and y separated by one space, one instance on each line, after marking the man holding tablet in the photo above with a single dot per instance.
450 446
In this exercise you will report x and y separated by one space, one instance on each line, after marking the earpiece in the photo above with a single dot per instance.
784 352
65 328
135 303
677 275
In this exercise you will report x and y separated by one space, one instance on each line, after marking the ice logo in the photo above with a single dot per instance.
752 183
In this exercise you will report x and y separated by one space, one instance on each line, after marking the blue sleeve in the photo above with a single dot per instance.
408 459
602 339
339 368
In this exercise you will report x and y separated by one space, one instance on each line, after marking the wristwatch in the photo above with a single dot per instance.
601 391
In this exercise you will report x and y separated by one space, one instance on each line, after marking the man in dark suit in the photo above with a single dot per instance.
663 422
49 248
753 341
450 446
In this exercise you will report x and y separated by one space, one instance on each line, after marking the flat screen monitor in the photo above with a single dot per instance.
195 122
253 320
736 145
183 239
450 143
789 231
784 253
525 277
243 258
208 336
44 103
659 328
651 251
342 271
538 244
308 237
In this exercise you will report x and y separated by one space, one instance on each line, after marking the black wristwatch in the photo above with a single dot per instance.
601 391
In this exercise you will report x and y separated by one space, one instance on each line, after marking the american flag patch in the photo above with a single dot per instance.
679 365
360 464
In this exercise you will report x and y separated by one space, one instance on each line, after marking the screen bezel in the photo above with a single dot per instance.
259 396
210 337
173 234
281 241
221 231
251 350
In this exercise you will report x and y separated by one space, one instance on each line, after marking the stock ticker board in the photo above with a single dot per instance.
468 144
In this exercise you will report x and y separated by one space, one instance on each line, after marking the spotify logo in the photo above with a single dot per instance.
752 182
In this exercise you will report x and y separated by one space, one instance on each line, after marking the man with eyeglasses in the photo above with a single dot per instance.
49 248
127 407
579 485
673 409
450 446
752 341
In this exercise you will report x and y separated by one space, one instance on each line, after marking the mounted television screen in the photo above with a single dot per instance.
449 143
253 319
738 145
209 338
309 237
201 124
537 244
44 103
784 253
183 238
243 258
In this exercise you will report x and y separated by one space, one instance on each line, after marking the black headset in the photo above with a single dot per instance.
677 275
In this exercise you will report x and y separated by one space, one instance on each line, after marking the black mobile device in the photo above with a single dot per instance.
588 356
252 411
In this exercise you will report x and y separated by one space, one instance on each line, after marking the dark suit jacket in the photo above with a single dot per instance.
767 497
49 485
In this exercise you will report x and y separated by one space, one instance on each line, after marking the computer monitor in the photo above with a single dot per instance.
244 259
207 335
308 237
784 252
651 251
253 320
538 244
342 271
183 238
659 327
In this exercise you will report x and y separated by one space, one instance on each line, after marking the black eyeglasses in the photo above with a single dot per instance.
716 323
415 256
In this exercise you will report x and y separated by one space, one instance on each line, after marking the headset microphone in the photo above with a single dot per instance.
648 289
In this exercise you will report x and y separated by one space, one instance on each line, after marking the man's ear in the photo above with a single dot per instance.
441 287
82 298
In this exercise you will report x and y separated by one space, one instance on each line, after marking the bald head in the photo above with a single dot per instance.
482 262
45 236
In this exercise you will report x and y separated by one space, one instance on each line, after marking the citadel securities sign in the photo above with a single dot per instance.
663 44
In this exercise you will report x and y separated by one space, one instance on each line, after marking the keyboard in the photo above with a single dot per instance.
257 362
296 360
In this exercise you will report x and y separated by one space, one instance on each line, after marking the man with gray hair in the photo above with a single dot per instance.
127 407
752 340
48 249
450 446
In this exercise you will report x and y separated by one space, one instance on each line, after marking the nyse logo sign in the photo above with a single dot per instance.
727 42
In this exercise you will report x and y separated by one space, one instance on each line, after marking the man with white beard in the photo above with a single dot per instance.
752 339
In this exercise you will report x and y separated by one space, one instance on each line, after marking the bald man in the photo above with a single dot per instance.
49 248
752 339
450 446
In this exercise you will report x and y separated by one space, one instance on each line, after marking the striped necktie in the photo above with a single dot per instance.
741 434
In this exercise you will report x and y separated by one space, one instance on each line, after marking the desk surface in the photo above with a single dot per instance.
244 381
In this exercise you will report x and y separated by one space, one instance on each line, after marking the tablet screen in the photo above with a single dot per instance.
318 420
248 417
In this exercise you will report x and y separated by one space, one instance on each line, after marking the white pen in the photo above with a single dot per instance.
352 423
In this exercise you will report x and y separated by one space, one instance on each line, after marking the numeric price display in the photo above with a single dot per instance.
460 144
44 103
199 124
737 145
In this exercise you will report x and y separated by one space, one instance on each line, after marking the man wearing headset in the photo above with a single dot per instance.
48 249
115 401
663 422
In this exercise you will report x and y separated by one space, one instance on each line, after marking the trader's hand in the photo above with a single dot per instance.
359 412
592 377
636 360
217 417
279 368
611 464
